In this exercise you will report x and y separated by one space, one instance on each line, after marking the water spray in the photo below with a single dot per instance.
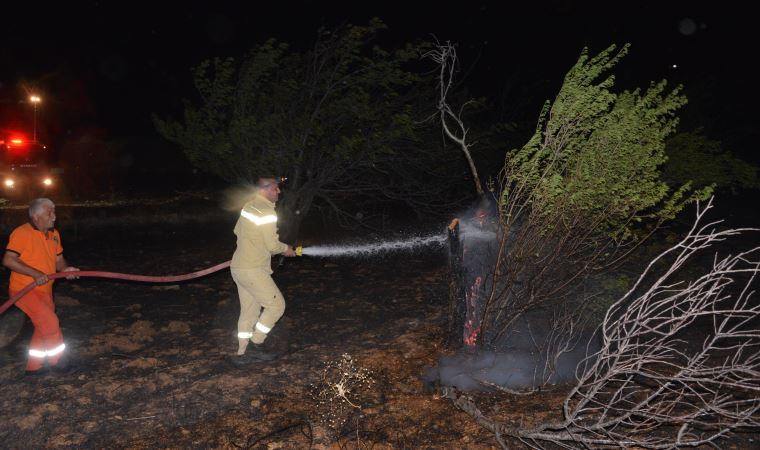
364 250
317 250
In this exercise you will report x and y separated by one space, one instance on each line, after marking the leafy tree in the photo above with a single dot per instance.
585 188
577 197
693 157
340 120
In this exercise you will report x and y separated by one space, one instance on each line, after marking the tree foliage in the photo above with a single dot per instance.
340 120
695 158
586 188
600 152
582 192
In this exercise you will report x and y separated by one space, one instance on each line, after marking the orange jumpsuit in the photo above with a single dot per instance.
38 249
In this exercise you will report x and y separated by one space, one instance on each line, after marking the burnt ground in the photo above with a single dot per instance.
150 365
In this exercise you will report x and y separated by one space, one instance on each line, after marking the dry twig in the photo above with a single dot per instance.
680 360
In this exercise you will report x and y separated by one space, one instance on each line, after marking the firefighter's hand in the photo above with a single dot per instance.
41 279
71 269
289 251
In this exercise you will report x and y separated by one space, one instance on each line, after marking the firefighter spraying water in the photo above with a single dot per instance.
261 302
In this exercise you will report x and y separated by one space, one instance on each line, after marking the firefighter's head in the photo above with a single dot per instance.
42 213
269 187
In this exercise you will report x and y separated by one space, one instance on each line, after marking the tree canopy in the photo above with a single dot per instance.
695 158
601 152
577 197
342 120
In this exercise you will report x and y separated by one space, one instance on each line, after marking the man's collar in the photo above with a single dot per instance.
46 231
269 202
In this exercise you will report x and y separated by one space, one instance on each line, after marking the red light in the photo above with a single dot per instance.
16 141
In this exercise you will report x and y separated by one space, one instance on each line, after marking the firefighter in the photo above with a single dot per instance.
261 302
34 250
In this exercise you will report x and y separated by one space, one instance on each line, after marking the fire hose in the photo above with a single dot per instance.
122 276
118 276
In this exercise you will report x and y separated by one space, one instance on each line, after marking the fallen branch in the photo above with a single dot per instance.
652 385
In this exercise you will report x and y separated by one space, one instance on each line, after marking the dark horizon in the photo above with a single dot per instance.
107 68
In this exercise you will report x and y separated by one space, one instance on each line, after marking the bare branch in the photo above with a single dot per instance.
680 360
446 57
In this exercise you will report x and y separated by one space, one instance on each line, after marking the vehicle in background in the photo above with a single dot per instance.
24 168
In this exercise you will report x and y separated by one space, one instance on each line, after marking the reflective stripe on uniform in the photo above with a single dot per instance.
259 220
245 335
263 328
56 350
37 353
42 353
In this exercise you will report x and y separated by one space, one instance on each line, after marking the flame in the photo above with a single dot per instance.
471 331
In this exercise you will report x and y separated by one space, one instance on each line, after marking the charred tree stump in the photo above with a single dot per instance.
473 246
456 287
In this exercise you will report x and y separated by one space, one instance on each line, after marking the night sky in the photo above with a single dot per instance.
107 66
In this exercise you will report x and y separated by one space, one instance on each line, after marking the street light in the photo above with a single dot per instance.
35 100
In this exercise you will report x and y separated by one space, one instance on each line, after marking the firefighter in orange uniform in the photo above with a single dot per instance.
34 250
261 302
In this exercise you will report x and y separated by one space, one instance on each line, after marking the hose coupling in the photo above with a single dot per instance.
299 250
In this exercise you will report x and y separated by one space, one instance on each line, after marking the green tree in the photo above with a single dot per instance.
585 189
695 158
337 119
573 201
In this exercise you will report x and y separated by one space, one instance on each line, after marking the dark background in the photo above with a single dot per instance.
102 68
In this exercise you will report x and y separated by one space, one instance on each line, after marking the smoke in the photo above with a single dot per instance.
235 197
540 347
471 232
525 359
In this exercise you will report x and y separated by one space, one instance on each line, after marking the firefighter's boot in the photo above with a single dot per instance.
258 352
253 354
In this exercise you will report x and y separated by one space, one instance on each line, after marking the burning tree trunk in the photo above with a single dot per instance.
473 243
680 361
456 285
574 200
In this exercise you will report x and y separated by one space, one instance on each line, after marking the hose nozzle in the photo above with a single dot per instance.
299 250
